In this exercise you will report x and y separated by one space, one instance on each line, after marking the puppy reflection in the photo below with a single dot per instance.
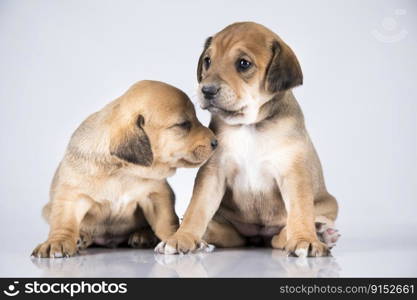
99 262
123 262
111 186
235 263
303 267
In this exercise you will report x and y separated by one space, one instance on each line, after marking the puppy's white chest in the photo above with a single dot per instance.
248 160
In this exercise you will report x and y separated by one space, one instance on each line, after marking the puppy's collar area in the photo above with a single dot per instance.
271 108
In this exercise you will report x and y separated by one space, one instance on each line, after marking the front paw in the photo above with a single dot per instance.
182 242
56 248
303 246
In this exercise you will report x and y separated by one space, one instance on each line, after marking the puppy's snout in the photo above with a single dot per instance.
210 91
214 143
205 146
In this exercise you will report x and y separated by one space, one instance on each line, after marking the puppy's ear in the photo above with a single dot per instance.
200 60
133 145
284 71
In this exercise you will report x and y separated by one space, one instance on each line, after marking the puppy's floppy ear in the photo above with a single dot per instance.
284 71
200 60
133 145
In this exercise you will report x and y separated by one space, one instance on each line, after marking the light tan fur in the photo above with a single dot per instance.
111 185
265 181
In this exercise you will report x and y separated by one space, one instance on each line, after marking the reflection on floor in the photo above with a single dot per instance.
392 256
96 262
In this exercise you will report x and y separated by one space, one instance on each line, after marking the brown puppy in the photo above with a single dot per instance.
265 181
111 185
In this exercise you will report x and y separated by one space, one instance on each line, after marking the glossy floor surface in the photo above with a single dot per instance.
395 257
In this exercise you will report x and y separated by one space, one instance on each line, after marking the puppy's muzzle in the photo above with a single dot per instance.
203 151
210 91
220 99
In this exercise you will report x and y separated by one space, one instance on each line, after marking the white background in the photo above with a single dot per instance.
63 60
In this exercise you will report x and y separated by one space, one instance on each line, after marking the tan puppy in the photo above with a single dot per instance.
265 181
111 185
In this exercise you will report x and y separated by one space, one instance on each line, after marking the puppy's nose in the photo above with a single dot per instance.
210 91
214 144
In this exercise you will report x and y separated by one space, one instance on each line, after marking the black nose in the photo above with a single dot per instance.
210 91
214 144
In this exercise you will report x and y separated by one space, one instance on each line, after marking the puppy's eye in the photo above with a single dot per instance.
243 65
207 62
186 125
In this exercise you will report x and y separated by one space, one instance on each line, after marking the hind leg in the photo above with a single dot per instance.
222 234
326 231
325 209
143 238
84 241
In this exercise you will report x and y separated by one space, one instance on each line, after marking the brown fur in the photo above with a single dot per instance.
265 180
111 186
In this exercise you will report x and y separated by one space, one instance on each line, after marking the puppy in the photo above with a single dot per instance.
265 181
111 186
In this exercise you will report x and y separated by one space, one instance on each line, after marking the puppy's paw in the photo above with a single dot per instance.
56 248
181 243
327 234
84 241
306 246
143 238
